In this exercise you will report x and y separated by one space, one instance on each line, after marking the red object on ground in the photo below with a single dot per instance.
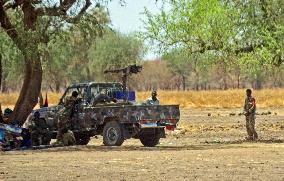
170 127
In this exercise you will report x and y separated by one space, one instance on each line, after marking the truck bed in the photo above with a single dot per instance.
161 114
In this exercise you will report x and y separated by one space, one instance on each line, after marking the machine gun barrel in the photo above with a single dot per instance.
132 69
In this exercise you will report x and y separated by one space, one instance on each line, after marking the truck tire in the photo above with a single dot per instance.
149 140
112 134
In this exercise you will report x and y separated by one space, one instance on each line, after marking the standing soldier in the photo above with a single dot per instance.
153 100
249 112
65 115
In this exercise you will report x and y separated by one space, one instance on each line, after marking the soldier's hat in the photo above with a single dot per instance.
8 111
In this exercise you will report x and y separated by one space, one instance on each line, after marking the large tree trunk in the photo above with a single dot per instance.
1 70
31 88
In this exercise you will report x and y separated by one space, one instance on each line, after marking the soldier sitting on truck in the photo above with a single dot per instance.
65 115
153 100
102 98
39 131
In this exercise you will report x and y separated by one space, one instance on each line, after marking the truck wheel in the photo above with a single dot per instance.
112 134
149 140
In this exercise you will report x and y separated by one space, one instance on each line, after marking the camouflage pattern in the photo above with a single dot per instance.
40 134
132 113
64 116
249 109
89 118
68 138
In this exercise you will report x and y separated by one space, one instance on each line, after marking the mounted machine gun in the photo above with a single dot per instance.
127 71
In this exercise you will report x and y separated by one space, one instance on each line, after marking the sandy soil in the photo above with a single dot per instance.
203 148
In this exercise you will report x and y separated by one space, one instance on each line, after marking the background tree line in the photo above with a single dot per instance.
204 44
78 53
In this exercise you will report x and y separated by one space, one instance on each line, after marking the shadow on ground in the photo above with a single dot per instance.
234 144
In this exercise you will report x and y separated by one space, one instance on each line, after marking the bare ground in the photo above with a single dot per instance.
203 148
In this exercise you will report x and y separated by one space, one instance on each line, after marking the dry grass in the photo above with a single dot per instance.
9 99
218 98
189 99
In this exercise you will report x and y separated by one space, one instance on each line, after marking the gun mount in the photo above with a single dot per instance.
127 71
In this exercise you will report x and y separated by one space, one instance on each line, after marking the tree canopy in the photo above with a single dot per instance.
248 33
30 25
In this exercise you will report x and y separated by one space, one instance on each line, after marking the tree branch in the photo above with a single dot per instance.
6 24
248 49
60 10
13 4
82 11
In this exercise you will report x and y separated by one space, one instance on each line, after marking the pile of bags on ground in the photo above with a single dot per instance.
11 135
14 137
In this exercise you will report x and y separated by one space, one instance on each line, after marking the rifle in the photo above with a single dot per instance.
127 71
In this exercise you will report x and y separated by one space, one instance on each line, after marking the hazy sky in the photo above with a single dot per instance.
127 19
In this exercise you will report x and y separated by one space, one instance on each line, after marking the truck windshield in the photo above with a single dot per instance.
110 88
81 90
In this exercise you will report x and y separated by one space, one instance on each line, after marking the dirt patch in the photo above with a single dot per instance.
203 148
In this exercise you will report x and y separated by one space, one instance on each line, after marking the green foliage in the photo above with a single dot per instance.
242 34
179 61
115 50
71 52
11 63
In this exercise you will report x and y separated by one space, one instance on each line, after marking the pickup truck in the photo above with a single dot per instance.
116 122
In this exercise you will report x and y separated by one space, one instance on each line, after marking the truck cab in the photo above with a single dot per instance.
87 91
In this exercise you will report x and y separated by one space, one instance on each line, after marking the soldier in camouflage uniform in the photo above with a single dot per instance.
68 138
249 112
40 134
65 116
